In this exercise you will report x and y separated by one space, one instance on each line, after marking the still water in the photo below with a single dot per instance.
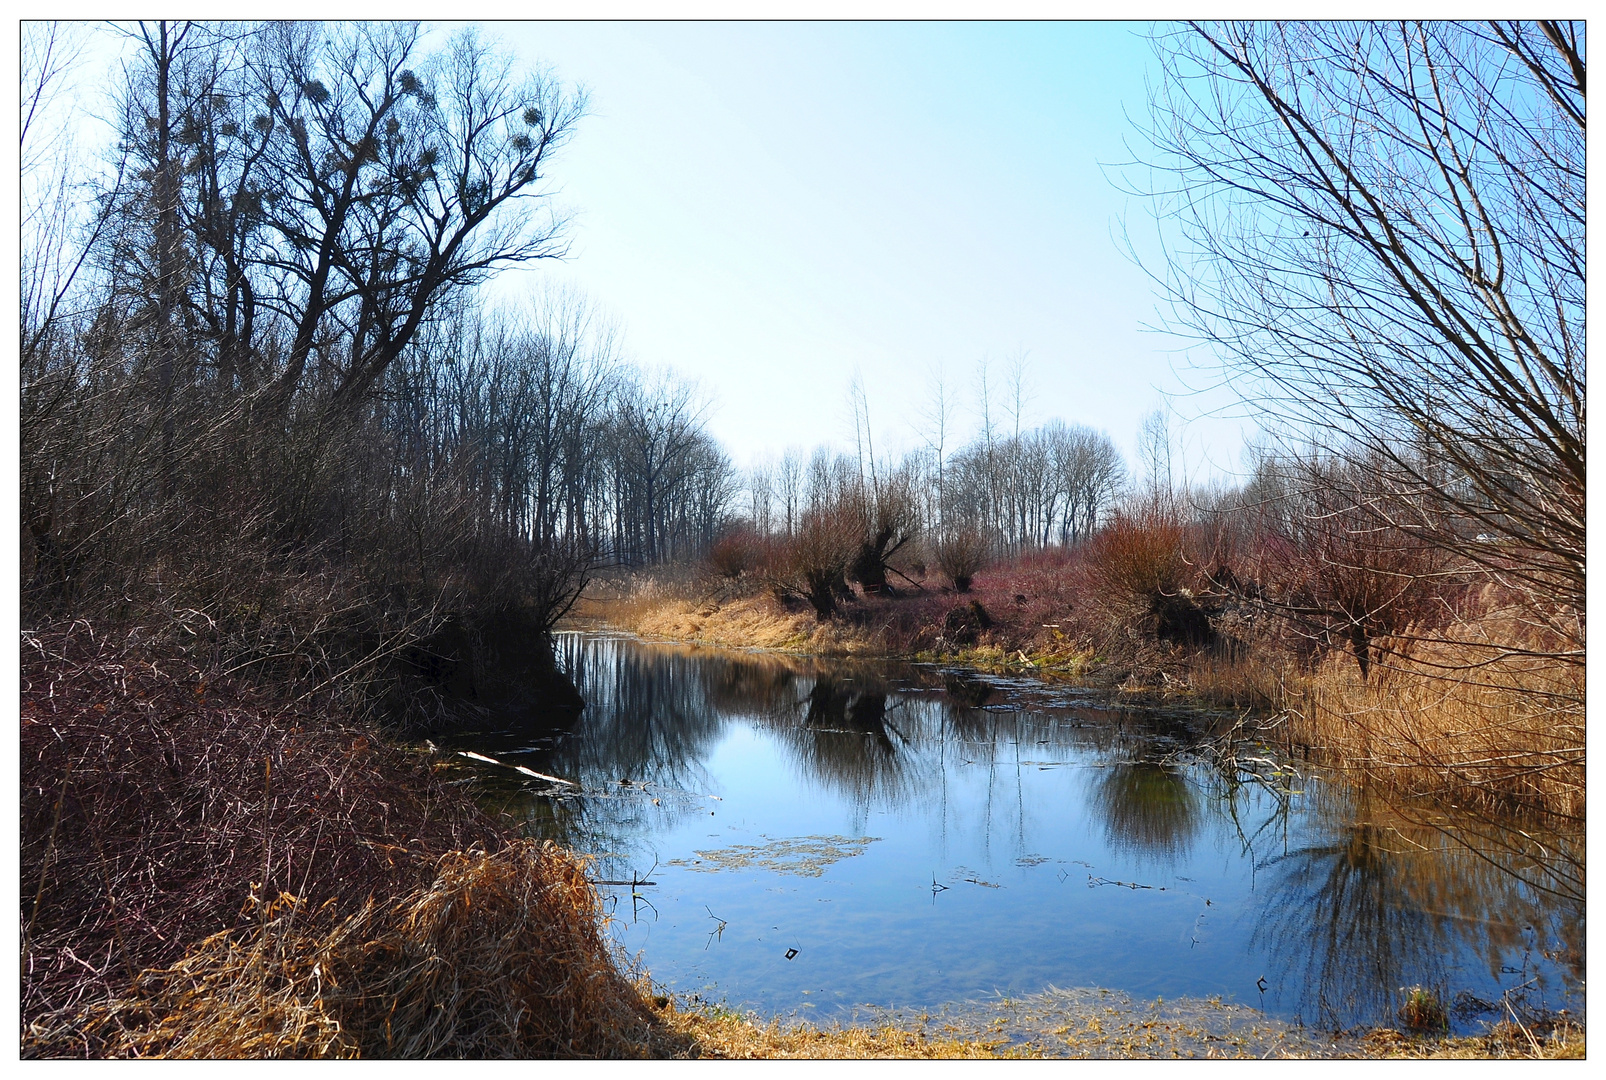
827 834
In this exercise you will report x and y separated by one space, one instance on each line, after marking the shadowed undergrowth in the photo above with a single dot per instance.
211 873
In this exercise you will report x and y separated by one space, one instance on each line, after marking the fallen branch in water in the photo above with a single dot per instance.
518 768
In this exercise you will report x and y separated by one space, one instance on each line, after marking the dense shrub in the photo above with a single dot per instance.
961 555
812 564
212 872
737 552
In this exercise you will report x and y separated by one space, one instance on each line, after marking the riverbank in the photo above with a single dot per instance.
210 872
1098 1025
936 626
1485 718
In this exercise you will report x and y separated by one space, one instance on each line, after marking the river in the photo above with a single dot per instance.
822 835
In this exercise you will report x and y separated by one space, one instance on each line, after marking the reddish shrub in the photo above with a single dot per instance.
737 552
1138 554
157 797
962 555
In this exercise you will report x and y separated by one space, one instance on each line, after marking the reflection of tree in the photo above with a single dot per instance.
647 717
965 689
1510 890
758 685
648 720
654 712
1381 901
1384 901
847 742
1341 922
1149 809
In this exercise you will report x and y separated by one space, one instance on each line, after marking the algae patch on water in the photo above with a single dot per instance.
800 856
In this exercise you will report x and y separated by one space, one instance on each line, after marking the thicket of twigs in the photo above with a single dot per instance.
209 872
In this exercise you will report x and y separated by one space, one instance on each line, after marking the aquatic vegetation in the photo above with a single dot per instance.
800 856
1423 1011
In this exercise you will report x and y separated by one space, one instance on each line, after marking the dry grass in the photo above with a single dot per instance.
502 956
1094 1023
1563 1042
1444 723
691 611
729 1036
753 622
687 608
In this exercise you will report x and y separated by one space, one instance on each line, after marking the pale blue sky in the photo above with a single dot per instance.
769 207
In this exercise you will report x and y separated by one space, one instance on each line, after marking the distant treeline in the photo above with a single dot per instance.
1043 487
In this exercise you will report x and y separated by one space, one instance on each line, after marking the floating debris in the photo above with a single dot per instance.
801 856
544 776
1095 882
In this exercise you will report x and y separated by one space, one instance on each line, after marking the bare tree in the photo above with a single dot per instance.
57 237
938 417
1020 388
761 496
1050 483
1381 227
1154 452
789 478
1323 564
671 483
1090 471
812 564
888 516
389 179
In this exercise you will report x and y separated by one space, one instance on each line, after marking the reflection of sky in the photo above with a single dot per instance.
1036 824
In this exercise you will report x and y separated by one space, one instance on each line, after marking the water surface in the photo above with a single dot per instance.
828 834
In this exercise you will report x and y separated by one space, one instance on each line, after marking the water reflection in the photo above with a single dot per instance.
1149 809
1380 903
1340 921
847 742
1339 900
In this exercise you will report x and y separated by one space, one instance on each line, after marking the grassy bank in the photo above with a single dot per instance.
929 624
1098 1025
